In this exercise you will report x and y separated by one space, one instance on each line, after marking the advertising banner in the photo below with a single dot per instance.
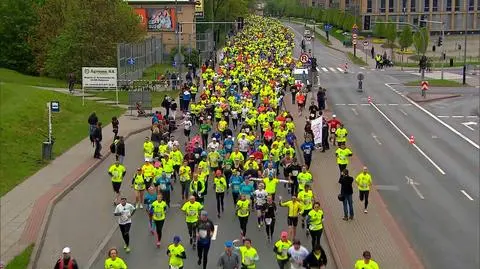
99 77
317 130
199 8
161 19
142 16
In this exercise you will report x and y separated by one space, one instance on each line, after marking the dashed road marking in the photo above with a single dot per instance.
403 112
324 69
354 111
467 195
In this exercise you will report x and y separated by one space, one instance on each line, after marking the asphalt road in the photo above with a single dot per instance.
443 226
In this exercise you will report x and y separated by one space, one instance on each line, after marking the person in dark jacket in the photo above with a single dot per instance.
97 138
325 144
115 124
120 149
166 103
66 262
346 191
321 98
316 259
92 121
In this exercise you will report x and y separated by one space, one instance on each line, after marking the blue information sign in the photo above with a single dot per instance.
328 27
55 106
131 61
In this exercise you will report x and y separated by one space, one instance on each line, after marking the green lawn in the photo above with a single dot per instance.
157 97
7 75
356 60
24 126
153 71
436 83
437 65
22 260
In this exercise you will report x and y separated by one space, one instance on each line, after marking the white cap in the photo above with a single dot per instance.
214 139
66 250
334 116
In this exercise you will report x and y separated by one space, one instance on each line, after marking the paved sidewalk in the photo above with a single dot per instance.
25 208
375 231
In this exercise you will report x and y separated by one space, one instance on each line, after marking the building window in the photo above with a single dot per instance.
412 6
426 6
471 4
369 6
391 5
457 5
382 6
434 5
449 5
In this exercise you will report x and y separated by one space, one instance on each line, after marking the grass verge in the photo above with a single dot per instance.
436 83
10 76
356 60
24 126
437 65
22 260
157 97
153 71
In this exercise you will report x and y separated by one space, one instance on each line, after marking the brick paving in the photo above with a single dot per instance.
23 209
376 231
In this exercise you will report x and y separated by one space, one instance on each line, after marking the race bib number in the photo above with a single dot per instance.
332 130
307 151
268 221
163 186
197 155
247 130
159 214
248 261
202 233
312 115
192 213
236 187
243 211
295 173
225 113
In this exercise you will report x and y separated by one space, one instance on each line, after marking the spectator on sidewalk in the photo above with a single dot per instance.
316 259
97 138
65 262
115 124
120 150
321 94
364 181
366 262
166 103
71 82
346 191
325 144
92 121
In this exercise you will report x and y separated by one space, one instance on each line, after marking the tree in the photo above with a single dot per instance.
90 35
420 41
405 39
379 29
16 28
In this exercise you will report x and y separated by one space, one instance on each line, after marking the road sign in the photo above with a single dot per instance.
354 36
304 58
131 61
55 106
99 77
424 85
365 43
360 76
354 42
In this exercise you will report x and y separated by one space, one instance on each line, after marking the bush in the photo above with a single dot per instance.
379 41
339 31
406 51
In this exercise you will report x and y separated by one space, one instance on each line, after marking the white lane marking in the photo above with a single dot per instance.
443 116
362 67
403 112
414 186
393 104
340 104
215 231
364 104
466 194
458 117
381 104
435 118
434 137
355 111
472 116
352 104
325 69
339 69
333 70
102 245
467 124
408 139
376 139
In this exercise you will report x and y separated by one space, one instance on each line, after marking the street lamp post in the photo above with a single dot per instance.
465 51
443 40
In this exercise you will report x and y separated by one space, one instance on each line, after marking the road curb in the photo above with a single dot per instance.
46 219
426 100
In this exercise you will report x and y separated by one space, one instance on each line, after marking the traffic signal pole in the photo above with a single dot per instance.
442 40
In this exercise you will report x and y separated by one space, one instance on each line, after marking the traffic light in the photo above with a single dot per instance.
422 21
440 41
423 62
366 23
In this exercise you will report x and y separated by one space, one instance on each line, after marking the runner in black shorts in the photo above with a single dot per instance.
292 221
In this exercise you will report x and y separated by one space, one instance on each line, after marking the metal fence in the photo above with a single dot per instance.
133 59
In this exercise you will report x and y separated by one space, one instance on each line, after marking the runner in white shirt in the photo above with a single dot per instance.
297 254
172 143
187 126
243 146
214 144
260 196
124 211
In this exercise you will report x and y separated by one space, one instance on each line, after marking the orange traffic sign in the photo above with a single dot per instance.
424 85
304 58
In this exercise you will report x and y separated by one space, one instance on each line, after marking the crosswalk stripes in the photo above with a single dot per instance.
325 69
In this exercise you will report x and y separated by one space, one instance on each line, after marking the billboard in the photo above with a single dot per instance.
99 77
199 8
161 19
142 15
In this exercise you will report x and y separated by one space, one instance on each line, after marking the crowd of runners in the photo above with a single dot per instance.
244 145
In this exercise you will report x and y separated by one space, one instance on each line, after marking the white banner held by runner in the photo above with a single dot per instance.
317 130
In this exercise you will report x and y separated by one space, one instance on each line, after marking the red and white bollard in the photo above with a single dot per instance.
369 99
412 139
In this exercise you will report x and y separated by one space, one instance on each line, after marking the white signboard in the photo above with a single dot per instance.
99 77
317 130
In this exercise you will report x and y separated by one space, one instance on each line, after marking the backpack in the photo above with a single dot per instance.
113 146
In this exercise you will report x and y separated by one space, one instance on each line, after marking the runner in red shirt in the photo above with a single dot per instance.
300 101
333 124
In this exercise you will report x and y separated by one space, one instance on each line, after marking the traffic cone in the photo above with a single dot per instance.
412 139
369 99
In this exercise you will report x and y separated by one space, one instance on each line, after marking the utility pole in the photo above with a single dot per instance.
465 50
177 59
443 40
